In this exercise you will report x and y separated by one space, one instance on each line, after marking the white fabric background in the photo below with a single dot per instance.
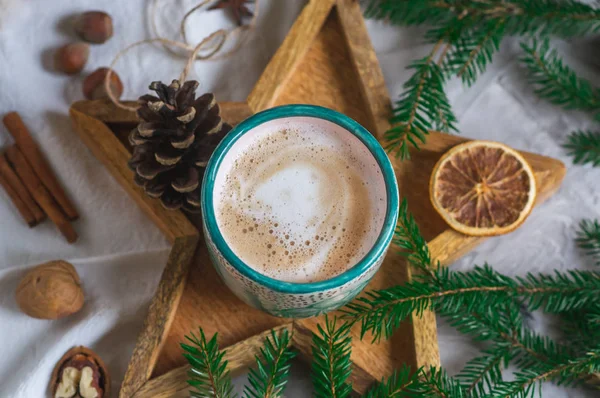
120 253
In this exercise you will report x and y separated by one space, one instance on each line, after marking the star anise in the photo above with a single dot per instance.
239 9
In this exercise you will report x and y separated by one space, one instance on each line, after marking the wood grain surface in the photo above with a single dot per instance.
327 60
161 314
209 304
239 356
285 61
325 76
364 60
114 156
360 378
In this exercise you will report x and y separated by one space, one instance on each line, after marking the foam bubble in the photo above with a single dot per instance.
304 217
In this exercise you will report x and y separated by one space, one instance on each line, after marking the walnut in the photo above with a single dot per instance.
50 291
80 373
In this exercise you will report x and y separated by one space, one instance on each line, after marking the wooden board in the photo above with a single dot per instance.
326 59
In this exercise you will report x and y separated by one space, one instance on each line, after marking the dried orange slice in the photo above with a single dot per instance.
483 188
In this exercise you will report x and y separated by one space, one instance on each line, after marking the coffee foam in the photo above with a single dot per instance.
300 199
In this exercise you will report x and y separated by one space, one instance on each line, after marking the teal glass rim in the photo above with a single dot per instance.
286 111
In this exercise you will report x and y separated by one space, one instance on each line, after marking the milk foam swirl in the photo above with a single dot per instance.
300 199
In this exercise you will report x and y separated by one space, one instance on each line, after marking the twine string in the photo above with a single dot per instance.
213 44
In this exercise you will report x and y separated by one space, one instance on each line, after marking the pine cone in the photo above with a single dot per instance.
173 142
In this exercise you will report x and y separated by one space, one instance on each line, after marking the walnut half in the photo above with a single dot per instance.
80 373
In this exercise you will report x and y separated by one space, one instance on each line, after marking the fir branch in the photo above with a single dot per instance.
402 383
208 376
471 54
482 373
422 107
381 312
581 329
533 348
331 366
510 342
471 31
497 324
559 17
407 236
565 373
588 238
555 81
270 377
408 12
566 18
584 147
436 383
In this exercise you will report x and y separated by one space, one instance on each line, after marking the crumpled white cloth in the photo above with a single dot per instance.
120 254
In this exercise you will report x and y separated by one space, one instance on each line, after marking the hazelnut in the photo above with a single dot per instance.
50 291
94 26
93 85
71 58
80 373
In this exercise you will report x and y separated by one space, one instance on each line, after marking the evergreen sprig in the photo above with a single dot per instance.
382 311
208 376
469 32
436 383
270 377
562 373
407 236
588 238
331 365
555 81
584 147
499 322
402 383
581 329
473 51
559 17
560 85
482 373
423 106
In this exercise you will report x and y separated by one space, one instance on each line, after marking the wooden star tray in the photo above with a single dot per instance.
326 59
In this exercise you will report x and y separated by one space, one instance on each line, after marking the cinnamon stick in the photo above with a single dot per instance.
19 204
39 193
17 186
32 153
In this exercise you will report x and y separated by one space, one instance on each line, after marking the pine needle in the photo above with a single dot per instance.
588 238
208 376
407 12
581 329
482 373
471 54
407 236
423 106
402 383
331 366
436 383
270 378
526 380
470 32
565 18
555 81
584 147
381 312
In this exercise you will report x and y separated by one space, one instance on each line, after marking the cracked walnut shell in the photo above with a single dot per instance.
50 291
80 373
